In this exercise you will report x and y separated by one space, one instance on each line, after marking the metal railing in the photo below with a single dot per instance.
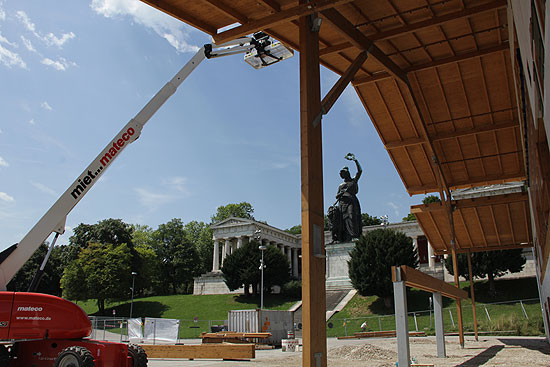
116 328
488 314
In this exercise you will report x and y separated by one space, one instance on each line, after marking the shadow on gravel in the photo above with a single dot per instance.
539 345
482 357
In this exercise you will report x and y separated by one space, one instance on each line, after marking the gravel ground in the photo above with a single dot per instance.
487 352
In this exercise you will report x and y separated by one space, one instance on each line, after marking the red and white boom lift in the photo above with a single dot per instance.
41 330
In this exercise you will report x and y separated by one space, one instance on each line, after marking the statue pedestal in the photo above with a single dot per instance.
212 283
337 276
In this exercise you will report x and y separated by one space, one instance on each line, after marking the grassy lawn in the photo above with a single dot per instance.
501 317
197 313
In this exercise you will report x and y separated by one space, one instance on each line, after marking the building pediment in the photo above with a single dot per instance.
231 221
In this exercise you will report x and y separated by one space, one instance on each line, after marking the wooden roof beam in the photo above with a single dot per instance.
475 131
337 89
449 60
487 248
420 25
420 280
174 11
275 19
359 40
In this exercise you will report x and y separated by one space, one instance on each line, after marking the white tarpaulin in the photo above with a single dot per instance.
135 330
163 330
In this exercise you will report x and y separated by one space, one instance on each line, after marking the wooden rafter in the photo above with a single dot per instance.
274 19
434 21
417 279
445 61
360 41
177 13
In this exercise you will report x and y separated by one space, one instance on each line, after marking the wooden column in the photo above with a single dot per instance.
458 301
313 249
472 294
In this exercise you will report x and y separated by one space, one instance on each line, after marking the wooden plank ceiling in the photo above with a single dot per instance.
437 83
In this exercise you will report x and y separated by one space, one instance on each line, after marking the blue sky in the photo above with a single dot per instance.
73 73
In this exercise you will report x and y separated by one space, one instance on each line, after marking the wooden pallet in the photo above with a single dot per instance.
198 351
232 337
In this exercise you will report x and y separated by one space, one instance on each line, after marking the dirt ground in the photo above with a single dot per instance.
488 352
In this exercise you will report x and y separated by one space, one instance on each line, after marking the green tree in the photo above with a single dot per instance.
296 230
431 199
51 277
148 273
490 264
177 256
200 235
240 210
409 218
372 258
367 220
101 272
241 268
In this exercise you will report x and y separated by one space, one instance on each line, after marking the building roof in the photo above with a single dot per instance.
437 83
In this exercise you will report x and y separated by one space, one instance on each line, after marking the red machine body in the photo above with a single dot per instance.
26 316
40 326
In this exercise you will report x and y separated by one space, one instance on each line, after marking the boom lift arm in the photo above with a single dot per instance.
260 51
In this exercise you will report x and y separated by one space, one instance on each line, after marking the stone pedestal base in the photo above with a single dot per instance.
337 265
212 283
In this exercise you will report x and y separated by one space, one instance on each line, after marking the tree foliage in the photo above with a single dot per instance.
491 264
431 199
242 268
409 218
240 210
177 256
199 235
51 277
101 272
295 230
367 220
372 258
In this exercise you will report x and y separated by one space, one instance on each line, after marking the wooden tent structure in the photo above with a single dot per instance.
435 77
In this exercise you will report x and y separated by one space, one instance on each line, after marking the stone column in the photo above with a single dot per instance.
289 256
295 262
431 259
239 242
216 257
226 249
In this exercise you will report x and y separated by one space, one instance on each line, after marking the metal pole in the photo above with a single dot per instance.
523 308
262 282
132 301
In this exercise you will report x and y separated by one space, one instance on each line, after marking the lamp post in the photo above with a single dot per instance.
132 301
262 247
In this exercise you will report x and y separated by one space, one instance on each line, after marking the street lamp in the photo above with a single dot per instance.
132 302
262 247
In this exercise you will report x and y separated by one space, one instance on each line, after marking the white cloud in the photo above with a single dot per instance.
169 28
152 200
177 183
45 105
24 18
3 163
2 12
49 39
5 197
31 121
28 44
5 40
395 207
62 64
45 189
53 40
9 58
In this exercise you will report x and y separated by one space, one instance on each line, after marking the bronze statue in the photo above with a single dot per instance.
345 215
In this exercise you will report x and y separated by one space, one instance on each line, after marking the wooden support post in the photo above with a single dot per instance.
472 293
313 248
458 301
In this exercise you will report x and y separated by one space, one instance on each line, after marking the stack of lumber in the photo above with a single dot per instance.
380 334
232 337
208 351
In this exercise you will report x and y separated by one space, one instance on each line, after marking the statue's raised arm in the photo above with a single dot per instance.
351 157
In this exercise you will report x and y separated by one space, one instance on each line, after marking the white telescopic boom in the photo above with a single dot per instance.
54 219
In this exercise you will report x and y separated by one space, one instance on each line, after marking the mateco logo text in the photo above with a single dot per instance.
29 308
